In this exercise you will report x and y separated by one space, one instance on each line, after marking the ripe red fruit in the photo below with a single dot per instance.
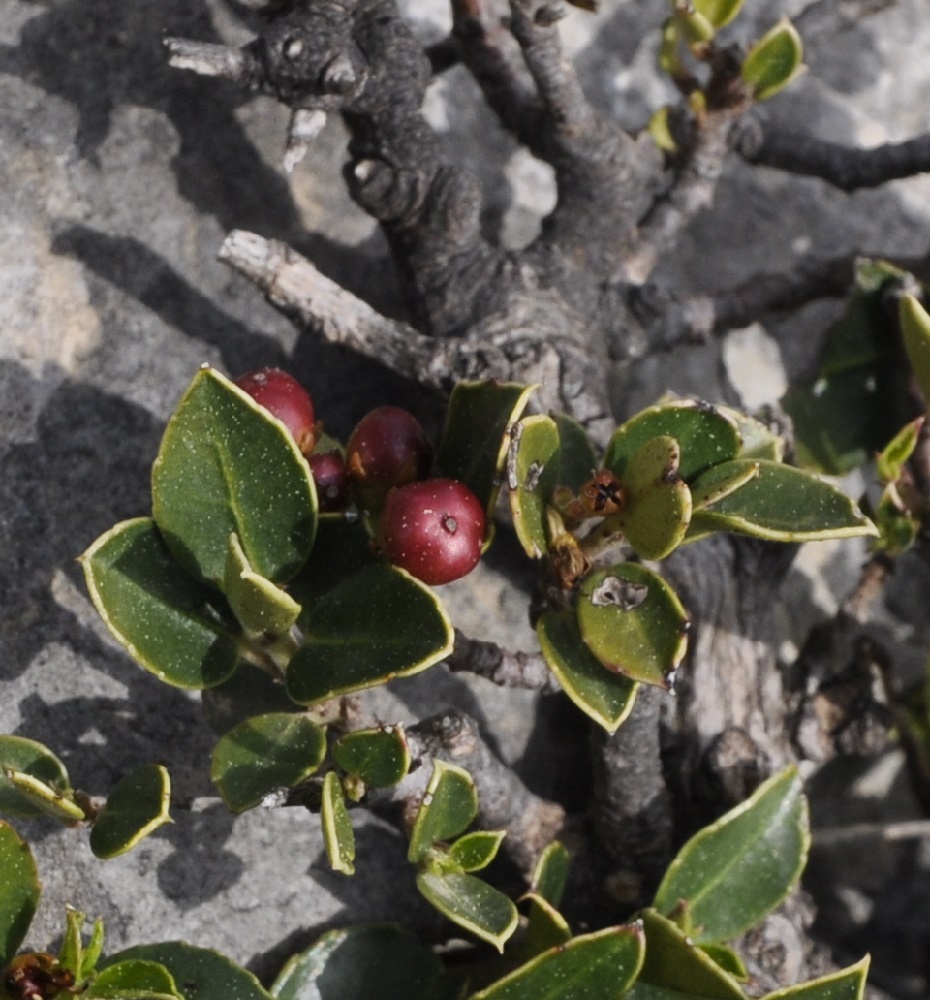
387 448
432 529
331 478
285 398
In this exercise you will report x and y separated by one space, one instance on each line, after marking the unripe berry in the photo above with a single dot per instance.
387 448
331 478
285 398
432 529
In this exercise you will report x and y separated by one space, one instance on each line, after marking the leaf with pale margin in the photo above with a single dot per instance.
551 872
378 756
533 468
225 466
605 697
133 979
915 329
774 61
48 788
137 805
846 984
474 851
19 891
472 904
261 606
378 624
735 871
170 624
263 754
449 805
599 966
338 836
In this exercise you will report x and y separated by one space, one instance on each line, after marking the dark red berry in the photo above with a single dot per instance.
331 478
387 448
285 398
432 529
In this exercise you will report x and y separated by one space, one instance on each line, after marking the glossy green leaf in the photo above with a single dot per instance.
720 481
380 961
261 606
199 973
695 28
774 61
632 621
915 329
675 968
136 806
545 928
338 836
19 891
658 508
475 439
599 966
604 696
706 435
735 871
890 461
264 754
168 622
727 959
378 624
34 782
551 872
474 851
718 12
449 805
532 467
134 979
378 756
785 504
227 466
92 950
472 904
249 692
897 527
847 984
73 955
577 457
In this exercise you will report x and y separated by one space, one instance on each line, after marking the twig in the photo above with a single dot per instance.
501 666
212 60
845 167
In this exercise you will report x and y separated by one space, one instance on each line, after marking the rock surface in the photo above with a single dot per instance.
119 180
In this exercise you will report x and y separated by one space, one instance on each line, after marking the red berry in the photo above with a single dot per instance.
285 398
387 448
432 529
331 478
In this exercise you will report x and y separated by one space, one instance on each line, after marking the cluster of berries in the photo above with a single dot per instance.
432 528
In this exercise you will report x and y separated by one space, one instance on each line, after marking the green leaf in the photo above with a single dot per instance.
735 871
263 754
19 891
474 851
377 960
604 696
658 508
34 782
136 806
545 928
474 441
338 835
677 969
774 61
377 625
727 959
915 328
551 872
472 904
660 131
92 950
249 692
261 606
449 805
168 622
633 623
73 955
378 756
706 435
533 469
134 979
720 481
226 465
785 504
718 12
847 984
891 459
599 966
199 973
577 457
696 29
